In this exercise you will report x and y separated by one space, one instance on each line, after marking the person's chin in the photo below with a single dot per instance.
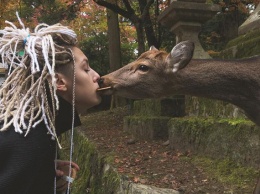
95 103
97 100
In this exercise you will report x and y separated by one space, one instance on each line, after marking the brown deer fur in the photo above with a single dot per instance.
155 74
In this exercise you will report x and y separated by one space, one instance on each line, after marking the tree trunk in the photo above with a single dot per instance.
115 61
140 36
147 23
113 40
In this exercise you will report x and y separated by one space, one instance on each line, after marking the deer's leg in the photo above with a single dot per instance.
257 187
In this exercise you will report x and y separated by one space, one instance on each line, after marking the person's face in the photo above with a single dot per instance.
86 83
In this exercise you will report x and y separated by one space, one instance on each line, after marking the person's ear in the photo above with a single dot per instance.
61 82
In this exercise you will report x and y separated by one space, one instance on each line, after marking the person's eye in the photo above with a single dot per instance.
87 70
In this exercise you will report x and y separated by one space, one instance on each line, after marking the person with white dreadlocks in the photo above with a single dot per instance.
49 82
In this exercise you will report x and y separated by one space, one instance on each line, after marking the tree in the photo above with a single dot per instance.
92 30
138 13
7 11
96 49
224 26
113 39
38 11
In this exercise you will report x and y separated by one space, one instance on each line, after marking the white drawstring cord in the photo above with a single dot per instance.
73 119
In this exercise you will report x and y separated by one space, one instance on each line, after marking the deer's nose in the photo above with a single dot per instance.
100 81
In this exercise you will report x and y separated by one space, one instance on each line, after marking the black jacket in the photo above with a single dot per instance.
27 163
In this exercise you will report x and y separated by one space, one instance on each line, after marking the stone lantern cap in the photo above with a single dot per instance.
187 11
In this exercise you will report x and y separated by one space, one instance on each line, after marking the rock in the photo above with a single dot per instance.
131 141
134 188
166 143
252 22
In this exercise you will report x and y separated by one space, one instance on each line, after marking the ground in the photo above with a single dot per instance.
154 163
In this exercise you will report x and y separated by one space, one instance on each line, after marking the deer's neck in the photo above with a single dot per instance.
237 82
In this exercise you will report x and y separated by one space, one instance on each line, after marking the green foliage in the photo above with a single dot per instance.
50 11
128 52
26 12
219 30
224 26
54 12
96 49
210 36
168 39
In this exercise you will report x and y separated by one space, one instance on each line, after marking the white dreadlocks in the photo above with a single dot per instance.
31 58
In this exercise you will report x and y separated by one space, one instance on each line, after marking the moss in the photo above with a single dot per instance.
243 38
236 122
243 46
192 123
229 172
145 127
149 107
145 118
95 175
191 130
211 108
237 139
248 48
170 106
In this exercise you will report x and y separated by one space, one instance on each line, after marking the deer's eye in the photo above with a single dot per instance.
143 68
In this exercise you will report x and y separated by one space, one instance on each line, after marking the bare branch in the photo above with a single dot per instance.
128 6
114 8
145 11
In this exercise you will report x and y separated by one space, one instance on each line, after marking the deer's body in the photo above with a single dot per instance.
156 74
234 81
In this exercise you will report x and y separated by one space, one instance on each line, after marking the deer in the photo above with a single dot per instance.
158 74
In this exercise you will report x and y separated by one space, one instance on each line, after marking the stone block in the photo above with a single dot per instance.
147 128
243 46
205 107
238 140
172 107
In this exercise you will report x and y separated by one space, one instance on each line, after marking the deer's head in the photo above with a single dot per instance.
147 76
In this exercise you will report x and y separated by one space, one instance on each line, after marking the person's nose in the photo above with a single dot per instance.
96 76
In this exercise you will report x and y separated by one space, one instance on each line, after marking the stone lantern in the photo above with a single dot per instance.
185 17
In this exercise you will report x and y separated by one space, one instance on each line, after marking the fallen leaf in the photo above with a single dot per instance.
136 179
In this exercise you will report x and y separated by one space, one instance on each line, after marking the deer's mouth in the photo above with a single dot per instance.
105 90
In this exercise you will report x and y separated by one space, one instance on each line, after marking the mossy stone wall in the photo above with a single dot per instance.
171 106
243 46
179 106
95 175
147 128
205 107
237 139
150 117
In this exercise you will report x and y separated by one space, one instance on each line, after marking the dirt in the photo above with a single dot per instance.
151 162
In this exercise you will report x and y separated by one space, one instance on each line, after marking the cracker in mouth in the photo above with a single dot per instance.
105 88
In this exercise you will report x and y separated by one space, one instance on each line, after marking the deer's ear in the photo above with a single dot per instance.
180 56
153 48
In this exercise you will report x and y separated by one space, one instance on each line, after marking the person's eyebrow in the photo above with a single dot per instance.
85 61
